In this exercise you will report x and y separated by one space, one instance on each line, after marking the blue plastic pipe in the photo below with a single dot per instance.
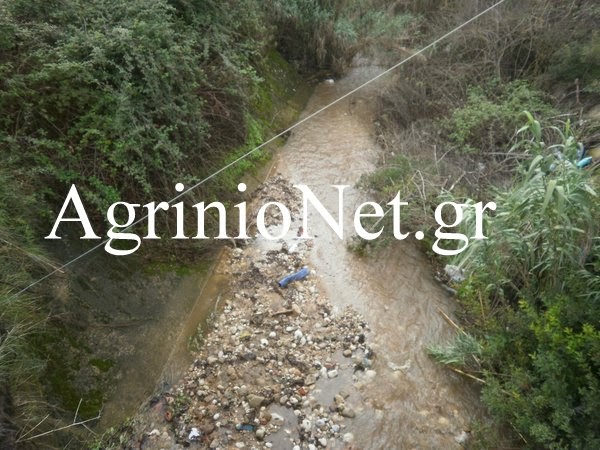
300 275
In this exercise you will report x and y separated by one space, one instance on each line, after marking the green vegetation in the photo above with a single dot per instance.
452 128
124 99
531 303
491 114
327 34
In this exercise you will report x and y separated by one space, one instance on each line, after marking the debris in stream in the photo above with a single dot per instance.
278 368
194 434
300 275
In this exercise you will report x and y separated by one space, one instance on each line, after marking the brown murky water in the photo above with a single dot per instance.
412 402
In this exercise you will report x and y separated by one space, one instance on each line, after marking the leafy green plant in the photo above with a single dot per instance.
486 122
463 351
536 280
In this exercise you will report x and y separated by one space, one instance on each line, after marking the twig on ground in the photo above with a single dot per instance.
71 425
450 321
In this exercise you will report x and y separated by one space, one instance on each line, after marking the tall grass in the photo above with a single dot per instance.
532 301
20 365
546 225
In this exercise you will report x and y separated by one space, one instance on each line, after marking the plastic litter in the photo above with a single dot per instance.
584 162
194 434
300 275
245 427
455 273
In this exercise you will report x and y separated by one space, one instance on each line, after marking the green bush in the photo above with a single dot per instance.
487 120
578 60
326 35
532 301
124 98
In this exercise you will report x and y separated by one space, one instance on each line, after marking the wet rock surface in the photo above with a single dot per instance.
277 369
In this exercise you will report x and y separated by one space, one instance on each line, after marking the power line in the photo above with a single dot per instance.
287 130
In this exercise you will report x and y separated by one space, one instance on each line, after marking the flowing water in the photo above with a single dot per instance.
413 402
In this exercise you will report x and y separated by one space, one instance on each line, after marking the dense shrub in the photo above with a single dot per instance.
532 301
123 98
327 34
487 120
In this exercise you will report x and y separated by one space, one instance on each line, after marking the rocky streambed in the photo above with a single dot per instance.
335 360
277 369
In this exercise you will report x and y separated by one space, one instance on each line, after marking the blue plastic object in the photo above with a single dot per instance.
245 427
584 162
300 275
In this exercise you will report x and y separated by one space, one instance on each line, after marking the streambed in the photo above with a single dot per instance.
401 399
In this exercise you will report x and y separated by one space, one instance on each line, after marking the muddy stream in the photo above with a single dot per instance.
411 402
414 402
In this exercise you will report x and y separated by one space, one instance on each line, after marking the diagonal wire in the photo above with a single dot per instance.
295 125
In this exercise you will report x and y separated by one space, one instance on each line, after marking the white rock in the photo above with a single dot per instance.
332 373
455 273
462 438
277 419
348 438
306 425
